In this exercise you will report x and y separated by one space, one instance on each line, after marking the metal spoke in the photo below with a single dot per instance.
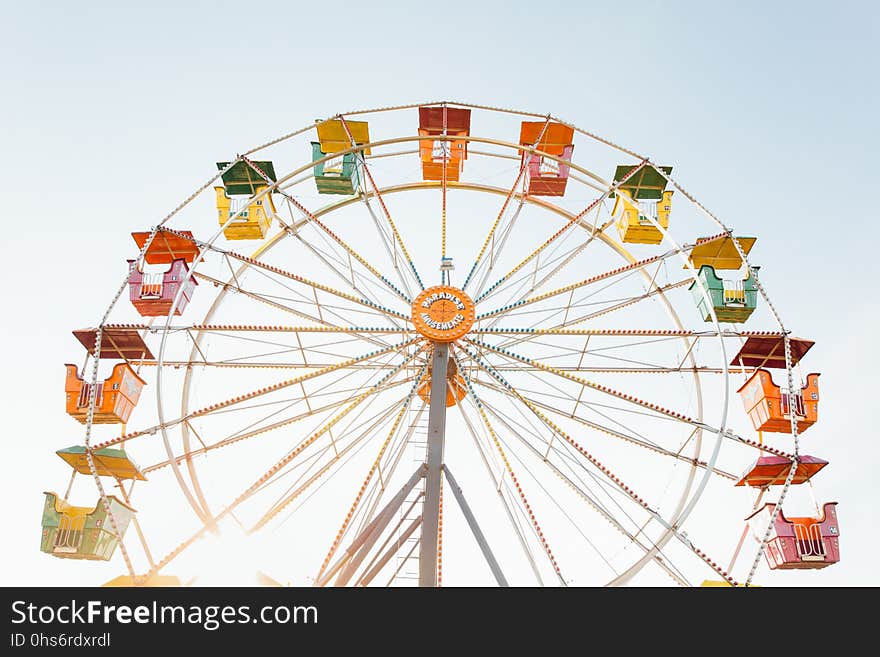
522 170
616 433
472 393
341 533
256 393
258 264
674 415
317 222
242 436
674 573
354 280
564 311
639 264
498 483
562 231
566 259
630 493
385 211
586 383
291 494
277 467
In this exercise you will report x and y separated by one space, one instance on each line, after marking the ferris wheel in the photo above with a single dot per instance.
444 334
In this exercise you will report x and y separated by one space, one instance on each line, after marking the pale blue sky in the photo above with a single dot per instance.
767 110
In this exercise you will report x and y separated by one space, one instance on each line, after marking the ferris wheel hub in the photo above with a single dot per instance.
443 313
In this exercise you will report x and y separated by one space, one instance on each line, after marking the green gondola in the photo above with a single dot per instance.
335 180
733 301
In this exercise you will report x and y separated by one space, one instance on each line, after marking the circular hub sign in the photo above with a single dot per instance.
443 313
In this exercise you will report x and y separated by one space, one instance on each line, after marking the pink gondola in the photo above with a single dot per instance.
152 293
799 543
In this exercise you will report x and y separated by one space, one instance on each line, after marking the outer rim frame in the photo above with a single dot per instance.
678 517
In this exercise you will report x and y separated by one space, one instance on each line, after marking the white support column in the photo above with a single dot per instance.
436 444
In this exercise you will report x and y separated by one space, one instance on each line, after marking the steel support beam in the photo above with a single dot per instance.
372 531
434 474
385 518
475 528
386 557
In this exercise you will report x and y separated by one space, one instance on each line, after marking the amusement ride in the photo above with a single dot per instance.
397 320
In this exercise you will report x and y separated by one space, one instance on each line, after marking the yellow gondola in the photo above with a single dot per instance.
632 218
253 222
81 532
241 183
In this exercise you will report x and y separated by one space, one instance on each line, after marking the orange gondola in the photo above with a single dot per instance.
115 397
432 122
770 407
